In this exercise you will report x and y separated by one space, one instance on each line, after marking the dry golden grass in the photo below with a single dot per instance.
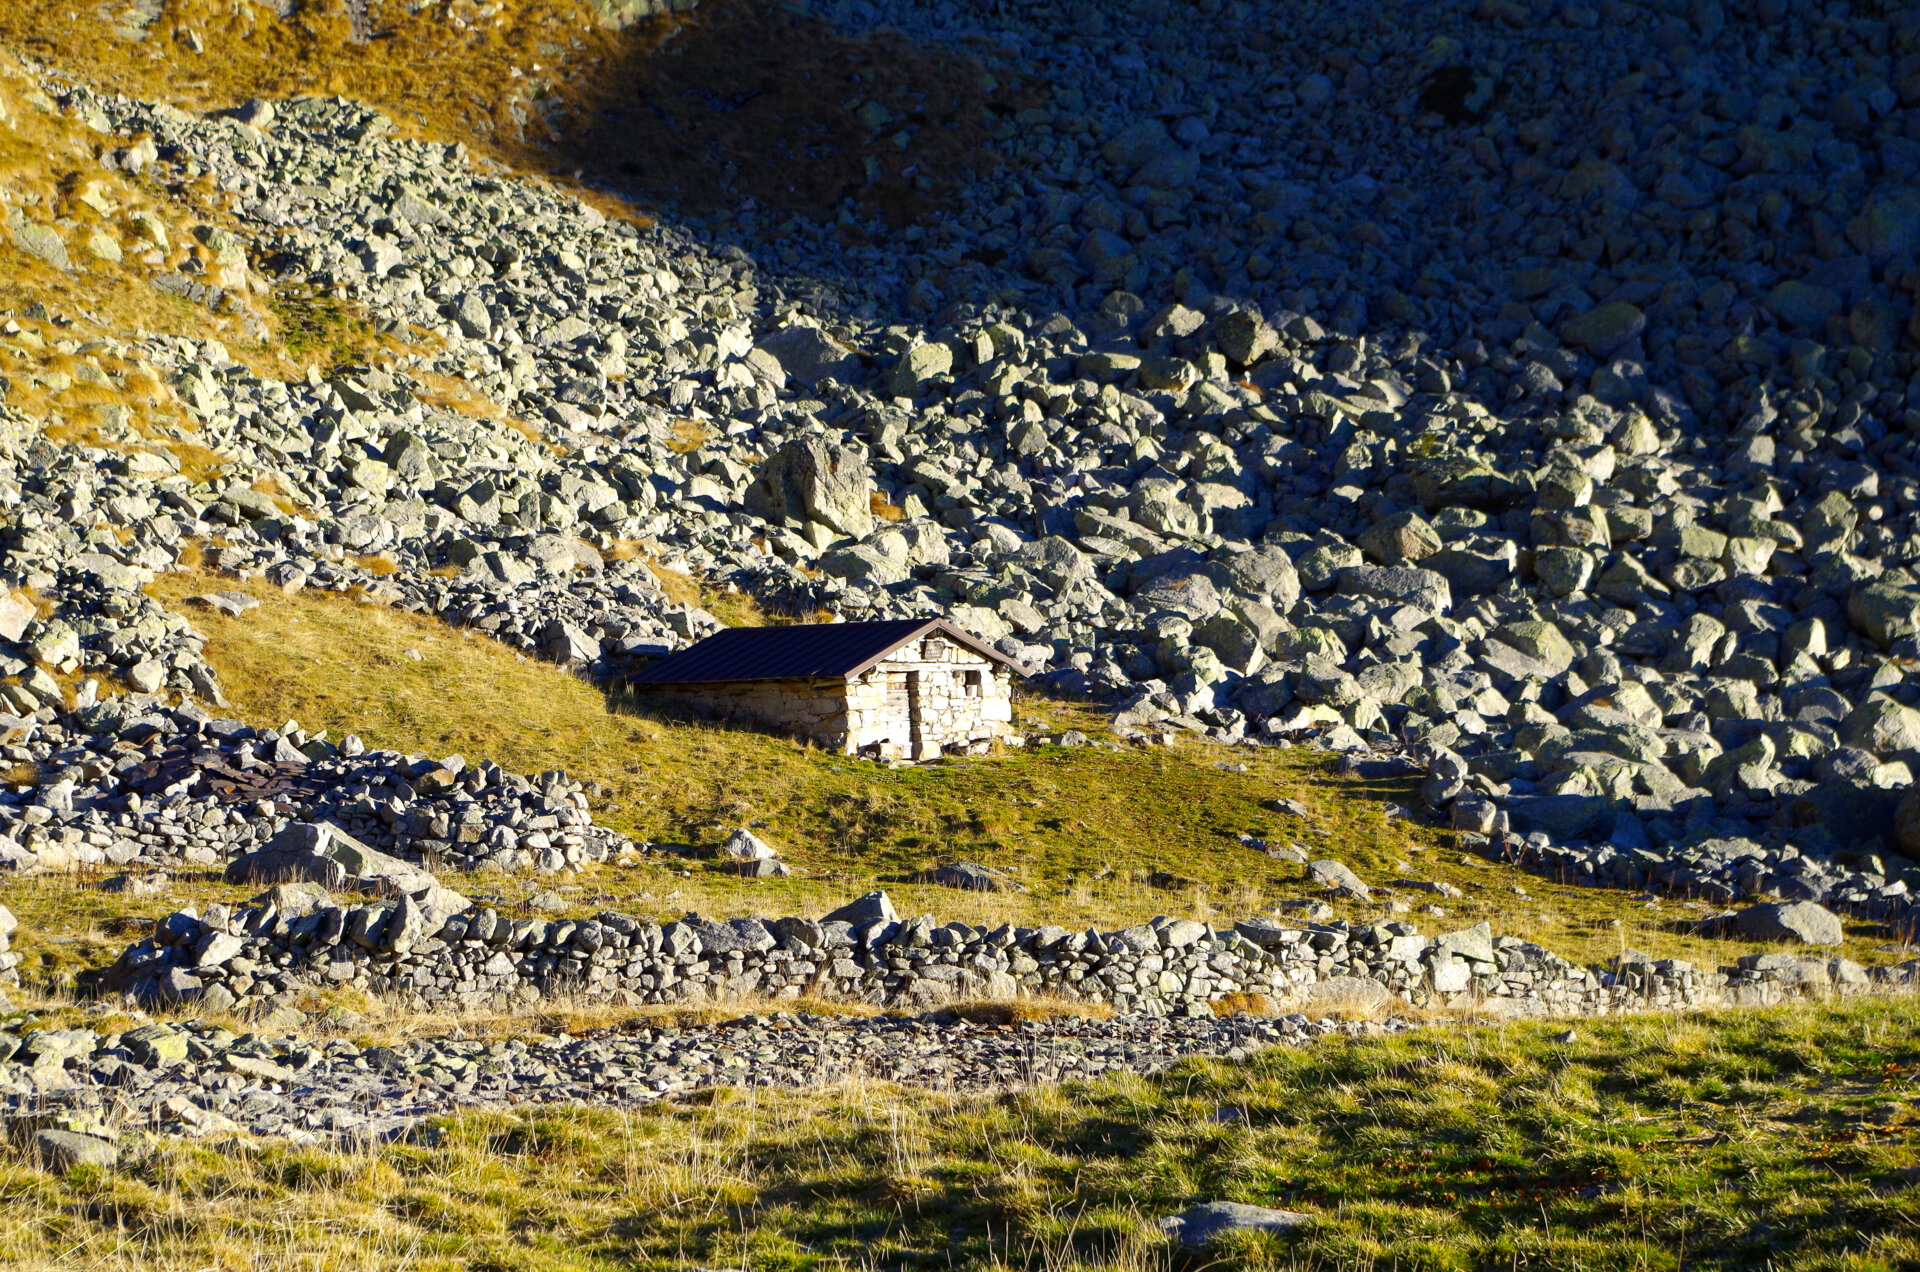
80 393
679 585
728 603
688 436
50 169
316 329
452 71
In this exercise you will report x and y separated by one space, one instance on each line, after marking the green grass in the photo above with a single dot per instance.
322 329
1781 1138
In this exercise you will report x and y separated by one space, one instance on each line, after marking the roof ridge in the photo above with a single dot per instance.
803 651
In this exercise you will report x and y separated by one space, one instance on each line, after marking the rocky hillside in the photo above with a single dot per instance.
1531 387
1454 456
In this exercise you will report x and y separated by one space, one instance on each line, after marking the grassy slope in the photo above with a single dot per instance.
49 171
1766 1139
444 71
1055 818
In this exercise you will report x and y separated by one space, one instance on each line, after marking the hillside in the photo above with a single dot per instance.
1447 476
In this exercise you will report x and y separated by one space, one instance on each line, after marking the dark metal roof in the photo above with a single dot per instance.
802 652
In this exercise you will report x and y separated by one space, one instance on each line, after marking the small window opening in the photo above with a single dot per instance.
973 684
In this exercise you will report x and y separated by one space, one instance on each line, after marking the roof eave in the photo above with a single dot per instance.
945 628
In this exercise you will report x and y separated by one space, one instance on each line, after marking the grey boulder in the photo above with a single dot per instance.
1422 589
811 356
1800 921
862 911
1197 1226
969 877
808 480
744 845
60 1150
318 852
1338 876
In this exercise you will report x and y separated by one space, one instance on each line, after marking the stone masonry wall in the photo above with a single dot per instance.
953 712
813 708
264 956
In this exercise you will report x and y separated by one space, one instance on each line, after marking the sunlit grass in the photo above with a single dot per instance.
1774 1138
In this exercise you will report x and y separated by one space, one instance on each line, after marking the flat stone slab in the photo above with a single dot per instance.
1196 1227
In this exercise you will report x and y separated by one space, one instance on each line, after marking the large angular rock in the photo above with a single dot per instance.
1888 226
318 852
567 644
1558 816
970 877
733 934
1244 337
1056 561
808 480
1422 589
918 367
1345 995
744 845
1338 876
862 911
63 1150
1401 539
1238 645
1446 779
865 563
44 242
1474 569
472 316
1882 726
1604 329
1884 612
1802 306
1191 592
1798 921
16 612
1539 640
811 356
1264 572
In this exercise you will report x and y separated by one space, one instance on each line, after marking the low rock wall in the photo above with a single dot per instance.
812 708
264 956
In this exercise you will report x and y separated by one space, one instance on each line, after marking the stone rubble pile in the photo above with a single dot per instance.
296 938
198 1079
1719 870
133 782
1531 384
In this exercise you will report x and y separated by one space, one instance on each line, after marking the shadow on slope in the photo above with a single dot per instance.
743 99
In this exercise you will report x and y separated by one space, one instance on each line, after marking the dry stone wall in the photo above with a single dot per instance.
295 939
812 708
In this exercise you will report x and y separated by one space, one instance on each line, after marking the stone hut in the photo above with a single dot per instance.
907 689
